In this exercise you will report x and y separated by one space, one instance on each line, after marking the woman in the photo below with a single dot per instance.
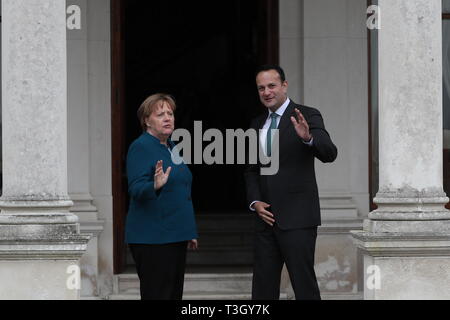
160 223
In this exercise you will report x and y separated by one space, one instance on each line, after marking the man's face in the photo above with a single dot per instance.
272 91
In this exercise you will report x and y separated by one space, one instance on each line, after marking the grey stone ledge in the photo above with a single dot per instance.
399 245
402 213
407 226
61 248
35 202
430 194
38 218
66 238
94 228
42 255
38 231
399 236
339 226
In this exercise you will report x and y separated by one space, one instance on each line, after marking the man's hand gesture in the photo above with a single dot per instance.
301 126
260 207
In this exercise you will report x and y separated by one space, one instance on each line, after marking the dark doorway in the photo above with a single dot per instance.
204 53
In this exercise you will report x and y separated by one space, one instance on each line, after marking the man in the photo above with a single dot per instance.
287 203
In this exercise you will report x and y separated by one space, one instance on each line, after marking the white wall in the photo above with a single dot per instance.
99 53
89 140
323 49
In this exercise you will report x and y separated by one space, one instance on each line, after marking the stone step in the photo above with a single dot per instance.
225 255
217 255
237 296
198 296
226 283
235 284
238 221
223 239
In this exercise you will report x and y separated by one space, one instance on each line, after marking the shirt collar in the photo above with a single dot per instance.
281 109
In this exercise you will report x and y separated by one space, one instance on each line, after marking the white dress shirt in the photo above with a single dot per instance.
266 126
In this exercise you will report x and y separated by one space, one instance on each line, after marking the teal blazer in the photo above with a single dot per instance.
165 216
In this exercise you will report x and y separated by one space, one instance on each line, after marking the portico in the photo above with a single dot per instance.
406 241
62 173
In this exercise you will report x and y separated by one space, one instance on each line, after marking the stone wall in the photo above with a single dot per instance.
323 49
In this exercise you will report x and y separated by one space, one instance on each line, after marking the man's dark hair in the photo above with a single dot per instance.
268 67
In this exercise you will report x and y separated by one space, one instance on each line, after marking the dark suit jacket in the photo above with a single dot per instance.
292 192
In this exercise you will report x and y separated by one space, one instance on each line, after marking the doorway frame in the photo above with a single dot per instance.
268 10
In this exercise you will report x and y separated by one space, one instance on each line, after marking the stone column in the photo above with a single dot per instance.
40 243
406 241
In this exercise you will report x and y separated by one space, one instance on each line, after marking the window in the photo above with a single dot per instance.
446 6
446 78
446 93
373 107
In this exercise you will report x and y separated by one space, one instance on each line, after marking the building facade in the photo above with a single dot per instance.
118 51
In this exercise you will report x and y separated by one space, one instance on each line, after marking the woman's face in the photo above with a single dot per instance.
161 122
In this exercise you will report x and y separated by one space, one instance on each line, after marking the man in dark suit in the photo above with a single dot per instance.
286 203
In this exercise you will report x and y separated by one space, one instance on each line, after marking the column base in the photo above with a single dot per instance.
37 219
41 269
410 226
409 212
40 250
405 265
89 224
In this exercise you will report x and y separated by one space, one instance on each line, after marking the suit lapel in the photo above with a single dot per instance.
284 124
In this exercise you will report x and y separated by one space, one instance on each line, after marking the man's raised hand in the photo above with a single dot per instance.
301 126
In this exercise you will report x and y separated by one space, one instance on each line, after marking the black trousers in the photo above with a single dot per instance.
160 268
295 248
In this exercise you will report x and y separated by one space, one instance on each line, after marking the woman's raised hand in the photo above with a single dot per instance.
161 177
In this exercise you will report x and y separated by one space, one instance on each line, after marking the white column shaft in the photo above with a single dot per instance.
406 242
410 78
34 66
410 112
40 242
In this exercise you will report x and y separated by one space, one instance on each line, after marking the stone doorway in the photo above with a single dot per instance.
204 53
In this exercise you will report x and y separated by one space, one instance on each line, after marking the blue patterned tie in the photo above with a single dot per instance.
273 125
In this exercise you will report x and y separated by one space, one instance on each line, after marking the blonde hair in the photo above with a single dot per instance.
151 104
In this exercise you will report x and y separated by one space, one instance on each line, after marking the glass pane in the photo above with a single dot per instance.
446 106
374 113
446 6
446 86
